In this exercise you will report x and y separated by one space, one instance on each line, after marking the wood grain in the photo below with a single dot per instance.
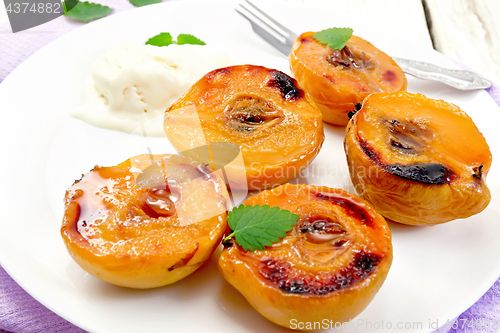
468 31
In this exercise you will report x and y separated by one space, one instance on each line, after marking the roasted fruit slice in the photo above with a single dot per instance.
329 267
142 224
337 80
261 110
417 160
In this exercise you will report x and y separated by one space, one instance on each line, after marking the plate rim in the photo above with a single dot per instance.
11 270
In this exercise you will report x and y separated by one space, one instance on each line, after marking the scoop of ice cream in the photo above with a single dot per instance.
132 85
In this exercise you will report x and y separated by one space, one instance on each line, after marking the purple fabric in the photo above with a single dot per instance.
21 313
486 310
494 91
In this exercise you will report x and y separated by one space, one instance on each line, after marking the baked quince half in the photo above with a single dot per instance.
145 223
261 110
329 267
338 79
417 160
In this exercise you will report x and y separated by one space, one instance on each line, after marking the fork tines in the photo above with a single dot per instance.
268 28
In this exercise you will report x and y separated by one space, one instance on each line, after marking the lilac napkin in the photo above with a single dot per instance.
21 313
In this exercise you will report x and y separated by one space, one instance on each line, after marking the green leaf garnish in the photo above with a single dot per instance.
189 39
255 227
336 38
88 11
69 4
165 39
140 3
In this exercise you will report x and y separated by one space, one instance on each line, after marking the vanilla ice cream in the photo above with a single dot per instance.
132 85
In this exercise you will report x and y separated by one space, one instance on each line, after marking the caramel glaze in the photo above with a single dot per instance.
352 208
261 110
83 208
338 242
421 139
90 199
147 222
283 276
93 198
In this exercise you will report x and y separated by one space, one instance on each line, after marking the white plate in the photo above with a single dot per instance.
438 272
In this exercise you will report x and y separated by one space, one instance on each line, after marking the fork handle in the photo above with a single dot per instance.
460 79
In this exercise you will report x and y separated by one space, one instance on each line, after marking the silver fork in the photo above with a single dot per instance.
282 39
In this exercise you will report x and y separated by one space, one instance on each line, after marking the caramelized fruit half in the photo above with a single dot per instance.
329 267
259 109
337 80
417 160
144 225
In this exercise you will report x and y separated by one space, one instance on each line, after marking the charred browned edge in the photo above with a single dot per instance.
351 207
284 276
224 71
184 261
477 172
357 107
370 152
227 243
425 173
286 85
329 78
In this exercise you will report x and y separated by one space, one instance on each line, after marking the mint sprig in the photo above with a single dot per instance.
69 4
189 39
255 227
335 38
165 39
140 3
87 11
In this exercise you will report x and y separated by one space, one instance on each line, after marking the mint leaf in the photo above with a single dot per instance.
140 3
163 39
336 38
189 39
255 227
88 11
69 5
